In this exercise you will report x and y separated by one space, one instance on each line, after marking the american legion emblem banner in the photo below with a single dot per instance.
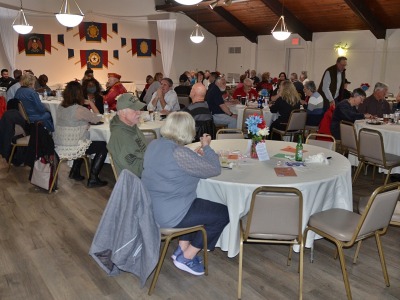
93 32
34 43
143 47
94 59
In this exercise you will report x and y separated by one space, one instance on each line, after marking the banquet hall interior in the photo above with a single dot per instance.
45 237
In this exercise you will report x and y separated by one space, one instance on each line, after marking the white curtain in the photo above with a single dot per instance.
166 35
9 38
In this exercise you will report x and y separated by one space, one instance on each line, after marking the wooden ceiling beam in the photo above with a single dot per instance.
231 19
293 24
362 11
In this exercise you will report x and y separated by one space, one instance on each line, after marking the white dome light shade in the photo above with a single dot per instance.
282 33
68 18
197 36
20 24
188 2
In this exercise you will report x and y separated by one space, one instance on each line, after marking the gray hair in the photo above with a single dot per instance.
248 81
179 127
28 80
379 86
310 85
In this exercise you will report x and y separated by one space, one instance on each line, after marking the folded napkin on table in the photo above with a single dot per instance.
317 158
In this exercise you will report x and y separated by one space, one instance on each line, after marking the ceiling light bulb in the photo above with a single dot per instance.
197 35
188 2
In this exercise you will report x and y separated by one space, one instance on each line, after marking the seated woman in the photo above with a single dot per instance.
149 81
127 143
91 92
289 100
171 174
73 119
346 110
315 104
31 102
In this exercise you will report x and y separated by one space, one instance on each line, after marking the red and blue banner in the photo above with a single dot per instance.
93 32
94 59
34 43
143 47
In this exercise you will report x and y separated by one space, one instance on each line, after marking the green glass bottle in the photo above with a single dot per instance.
299 150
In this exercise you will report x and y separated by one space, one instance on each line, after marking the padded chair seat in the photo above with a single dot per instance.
363 203
339 223
391 160
23 140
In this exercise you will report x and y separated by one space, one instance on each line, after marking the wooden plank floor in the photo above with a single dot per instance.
45 239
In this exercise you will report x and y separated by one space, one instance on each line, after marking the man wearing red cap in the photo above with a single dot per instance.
114 89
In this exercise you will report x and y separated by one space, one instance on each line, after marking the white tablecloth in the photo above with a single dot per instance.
323 186
391 139
102 132
51 105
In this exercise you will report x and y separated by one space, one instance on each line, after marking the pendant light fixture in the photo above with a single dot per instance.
197 35
188 2
213 4
68 18
280 31
20 24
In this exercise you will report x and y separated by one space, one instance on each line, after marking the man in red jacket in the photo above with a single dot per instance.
114 89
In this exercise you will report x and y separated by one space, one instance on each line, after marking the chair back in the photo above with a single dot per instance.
297 120
69 141
249 112
149 135
228 133
326 141
396 215
22 111
275 213
379 210
370 146
183 101
205 127
348 137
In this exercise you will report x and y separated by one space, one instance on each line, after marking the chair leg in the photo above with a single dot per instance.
289 260
388 176
344 271
382 258
85 159
11 157
335 255
360 165
301 270
240 267
373 173
159 265
56 174
357 251
205 254
312 246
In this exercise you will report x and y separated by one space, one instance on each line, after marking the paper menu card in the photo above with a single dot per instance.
285 172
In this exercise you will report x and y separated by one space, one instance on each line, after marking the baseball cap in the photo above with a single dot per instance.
128 100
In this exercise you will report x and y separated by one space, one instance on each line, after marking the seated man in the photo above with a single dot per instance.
200 112
220 111
127 143
41 85
5 80
15 85
376 104
114 89
315 104
184 86
246 90
165 99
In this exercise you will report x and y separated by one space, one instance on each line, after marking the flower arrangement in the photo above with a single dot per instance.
364 86
257 130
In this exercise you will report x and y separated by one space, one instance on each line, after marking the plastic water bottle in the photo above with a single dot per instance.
105 107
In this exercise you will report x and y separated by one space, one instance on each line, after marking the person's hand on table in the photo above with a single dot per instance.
205 140
368 116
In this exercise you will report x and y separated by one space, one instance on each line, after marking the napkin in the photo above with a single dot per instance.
318 158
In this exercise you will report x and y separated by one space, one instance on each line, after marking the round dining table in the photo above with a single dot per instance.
323 186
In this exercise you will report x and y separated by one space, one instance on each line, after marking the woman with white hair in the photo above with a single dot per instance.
171 174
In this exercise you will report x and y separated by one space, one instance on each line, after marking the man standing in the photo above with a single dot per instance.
331 87
200 111
220 111
5 80
376 104
114 88
127 143
164 99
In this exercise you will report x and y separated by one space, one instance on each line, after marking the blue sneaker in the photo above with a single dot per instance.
178 251
191 266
